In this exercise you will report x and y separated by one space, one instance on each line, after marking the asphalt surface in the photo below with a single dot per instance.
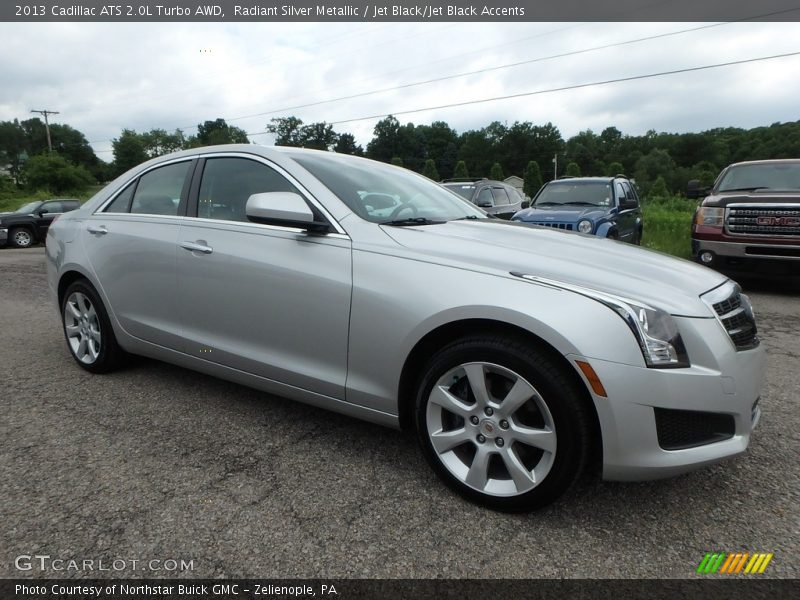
158 462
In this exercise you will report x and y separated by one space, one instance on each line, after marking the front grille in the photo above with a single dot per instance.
680 429
734 312
564 226
769 220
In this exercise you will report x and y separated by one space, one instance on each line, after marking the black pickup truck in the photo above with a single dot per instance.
28 224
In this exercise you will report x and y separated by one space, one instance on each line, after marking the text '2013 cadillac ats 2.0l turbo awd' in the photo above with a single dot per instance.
520 354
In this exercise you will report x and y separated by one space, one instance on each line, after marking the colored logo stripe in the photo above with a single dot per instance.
737 562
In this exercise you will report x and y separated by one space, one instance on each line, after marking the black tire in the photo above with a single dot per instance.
638 239
560 393
612 235
21 237
109 355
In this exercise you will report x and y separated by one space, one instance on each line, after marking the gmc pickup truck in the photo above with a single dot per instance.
29 223
750 219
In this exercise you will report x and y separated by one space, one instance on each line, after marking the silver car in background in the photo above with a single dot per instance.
519 354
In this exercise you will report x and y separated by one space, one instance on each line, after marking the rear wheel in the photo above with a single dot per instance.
502 423
20 237
88 331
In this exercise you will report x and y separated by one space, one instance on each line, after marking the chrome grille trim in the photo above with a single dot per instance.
782 220
733 311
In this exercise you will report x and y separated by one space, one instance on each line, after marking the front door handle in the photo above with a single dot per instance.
198 246
101 229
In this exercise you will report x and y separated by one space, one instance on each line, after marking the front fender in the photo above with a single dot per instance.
604 228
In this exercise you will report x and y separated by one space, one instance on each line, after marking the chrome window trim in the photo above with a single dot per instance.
113 197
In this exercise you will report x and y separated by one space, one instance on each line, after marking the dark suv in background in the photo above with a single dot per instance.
750 218
495 197
601 206
29 223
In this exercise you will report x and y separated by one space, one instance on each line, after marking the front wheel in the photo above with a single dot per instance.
502 423
88 331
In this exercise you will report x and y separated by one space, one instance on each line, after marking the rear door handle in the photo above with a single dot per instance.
199 246
101 229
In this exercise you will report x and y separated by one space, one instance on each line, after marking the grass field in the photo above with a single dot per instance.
668 225
12 201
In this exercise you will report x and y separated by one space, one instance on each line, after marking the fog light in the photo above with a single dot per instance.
706 257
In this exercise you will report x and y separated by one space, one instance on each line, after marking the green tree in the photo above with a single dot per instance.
573 170
649 167
615 168
397 161
287 131
496 172
659 188
158 142
532 179
55 173
430 170
13 148
318 136
346 144
461 170
212 133
129 151
384 143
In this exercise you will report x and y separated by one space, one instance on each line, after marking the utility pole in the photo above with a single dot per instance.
47 126
555 166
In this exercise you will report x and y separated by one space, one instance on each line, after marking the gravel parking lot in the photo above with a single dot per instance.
157 462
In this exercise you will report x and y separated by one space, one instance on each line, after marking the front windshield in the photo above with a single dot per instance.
579 193
380 193
754 177
28 208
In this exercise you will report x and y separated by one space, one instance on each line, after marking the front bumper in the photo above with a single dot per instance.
721 381
747 250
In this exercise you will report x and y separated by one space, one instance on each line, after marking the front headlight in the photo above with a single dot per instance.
710 216
585 226
654 329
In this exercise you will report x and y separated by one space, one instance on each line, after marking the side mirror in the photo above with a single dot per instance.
283 208
526 204
485 205
40 213
694 189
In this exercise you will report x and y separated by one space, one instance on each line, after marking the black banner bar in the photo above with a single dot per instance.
396 10
733 588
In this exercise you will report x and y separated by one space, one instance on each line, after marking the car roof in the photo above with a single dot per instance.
774 161
574 179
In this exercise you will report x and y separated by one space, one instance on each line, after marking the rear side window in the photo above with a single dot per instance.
122 203
228 182
159 190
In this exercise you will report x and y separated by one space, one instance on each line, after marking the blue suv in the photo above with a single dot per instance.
602 206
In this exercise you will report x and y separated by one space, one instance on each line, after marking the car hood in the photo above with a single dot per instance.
660 280
560 214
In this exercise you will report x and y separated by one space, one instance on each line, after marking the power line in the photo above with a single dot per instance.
569 87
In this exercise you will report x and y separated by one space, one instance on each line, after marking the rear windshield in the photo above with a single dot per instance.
462 189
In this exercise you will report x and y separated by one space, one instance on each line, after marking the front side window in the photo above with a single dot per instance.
500 196
485 198
228 182
159 190
122 203
51 207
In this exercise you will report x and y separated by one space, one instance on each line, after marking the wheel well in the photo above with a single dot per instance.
29 228
443 335
67 279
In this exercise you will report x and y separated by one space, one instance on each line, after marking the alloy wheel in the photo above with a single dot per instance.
82 326
22 238
491 429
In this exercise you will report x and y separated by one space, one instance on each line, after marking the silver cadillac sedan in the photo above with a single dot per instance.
520 355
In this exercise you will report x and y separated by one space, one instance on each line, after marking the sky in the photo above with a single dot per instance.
103 77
